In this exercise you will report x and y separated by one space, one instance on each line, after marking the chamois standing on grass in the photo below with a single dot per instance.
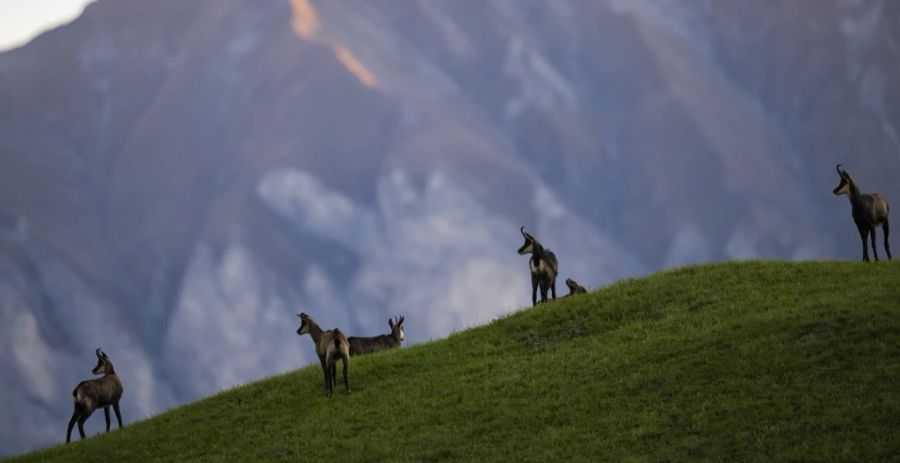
543 266
365 345
330 345
869 211
574 287
95 393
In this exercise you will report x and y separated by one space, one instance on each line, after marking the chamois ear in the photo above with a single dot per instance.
390 322
400 322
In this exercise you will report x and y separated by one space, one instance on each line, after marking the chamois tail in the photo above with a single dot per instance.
338 336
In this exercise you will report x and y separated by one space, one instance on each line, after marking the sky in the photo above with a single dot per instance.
22 20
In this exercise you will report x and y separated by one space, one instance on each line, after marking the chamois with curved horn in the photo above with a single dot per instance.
365 345
574 287
96 393
330 345
543 266
869 211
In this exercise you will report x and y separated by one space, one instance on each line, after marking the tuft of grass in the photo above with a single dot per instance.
762 361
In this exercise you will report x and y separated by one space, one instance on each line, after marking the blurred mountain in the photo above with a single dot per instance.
178 178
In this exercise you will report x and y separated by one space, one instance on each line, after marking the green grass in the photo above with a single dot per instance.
739 361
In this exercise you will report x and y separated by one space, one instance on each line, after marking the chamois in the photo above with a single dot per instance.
95 393
330 345
869 211
543 265
574 287
364 345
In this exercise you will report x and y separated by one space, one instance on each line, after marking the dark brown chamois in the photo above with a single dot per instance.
869 211
330 345
365 345
543 266
574 287
95 393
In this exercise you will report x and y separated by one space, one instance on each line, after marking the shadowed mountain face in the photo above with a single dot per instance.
178 178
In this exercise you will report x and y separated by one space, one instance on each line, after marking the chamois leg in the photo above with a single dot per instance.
864 235
330 362
553 289
544 289
887 246
84 416
118 415
331 379
346 359
324 372
106 414
534 288
874 250
333 374
75 414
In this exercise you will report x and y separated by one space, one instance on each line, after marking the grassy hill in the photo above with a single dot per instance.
735 361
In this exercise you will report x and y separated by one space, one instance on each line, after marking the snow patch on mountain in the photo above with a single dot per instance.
229 315
308 204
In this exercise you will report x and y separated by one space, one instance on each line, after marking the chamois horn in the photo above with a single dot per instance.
525 233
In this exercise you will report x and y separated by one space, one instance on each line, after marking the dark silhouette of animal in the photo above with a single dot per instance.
330 345
869 211
365 345
574 287
96 393
543 266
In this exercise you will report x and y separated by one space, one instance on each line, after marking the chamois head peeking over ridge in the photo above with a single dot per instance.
869 210
365 345
330 346
96 393
543 266
574 287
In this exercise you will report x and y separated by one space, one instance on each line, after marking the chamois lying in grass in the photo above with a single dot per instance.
330 345
574 287
95 393
365 345
869 211
543 266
